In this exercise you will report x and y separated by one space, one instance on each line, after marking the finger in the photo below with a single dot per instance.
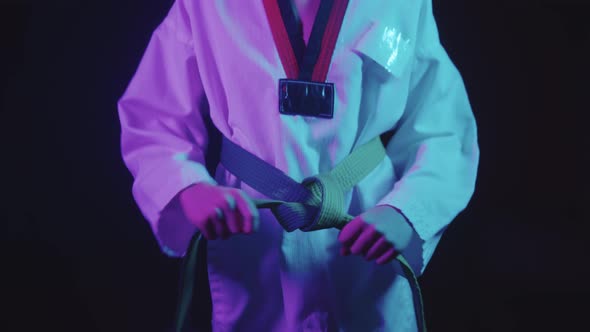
230 200
387 257
378 249
248 211
232 217
351 231
365 240
219 224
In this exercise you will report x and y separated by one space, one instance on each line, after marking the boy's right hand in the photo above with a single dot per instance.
219 212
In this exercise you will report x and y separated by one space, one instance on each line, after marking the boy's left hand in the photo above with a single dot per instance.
375 235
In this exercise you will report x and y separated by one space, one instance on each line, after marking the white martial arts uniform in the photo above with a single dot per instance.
218 59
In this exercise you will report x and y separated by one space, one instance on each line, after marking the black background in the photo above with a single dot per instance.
80 257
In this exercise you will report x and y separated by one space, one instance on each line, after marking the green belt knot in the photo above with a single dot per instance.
328 197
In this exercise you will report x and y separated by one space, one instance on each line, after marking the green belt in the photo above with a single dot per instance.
317 203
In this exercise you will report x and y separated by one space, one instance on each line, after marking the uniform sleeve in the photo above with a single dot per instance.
163 134
434 146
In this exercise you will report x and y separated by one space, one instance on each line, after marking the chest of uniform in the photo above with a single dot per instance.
374 47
